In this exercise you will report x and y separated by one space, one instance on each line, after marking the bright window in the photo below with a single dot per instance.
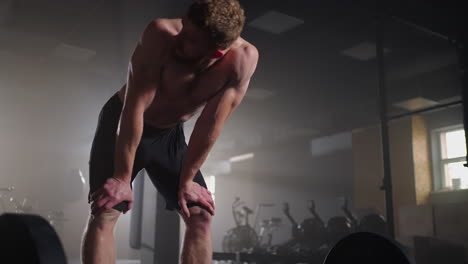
211 184
449 170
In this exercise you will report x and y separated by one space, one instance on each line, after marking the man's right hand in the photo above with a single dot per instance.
113 192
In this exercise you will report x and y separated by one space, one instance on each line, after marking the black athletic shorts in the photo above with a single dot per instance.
160 152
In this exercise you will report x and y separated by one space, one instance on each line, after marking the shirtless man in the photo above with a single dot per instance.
179 67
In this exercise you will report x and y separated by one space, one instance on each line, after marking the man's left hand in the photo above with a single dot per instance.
194 192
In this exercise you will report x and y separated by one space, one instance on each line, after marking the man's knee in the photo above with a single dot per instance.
199 218
105 220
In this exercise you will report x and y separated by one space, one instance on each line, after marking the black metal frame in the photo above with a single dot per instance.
428 109
387 185
463 57
460 41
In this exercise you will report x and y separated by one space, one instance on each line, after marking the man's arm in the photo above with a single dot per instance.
140 92
211 121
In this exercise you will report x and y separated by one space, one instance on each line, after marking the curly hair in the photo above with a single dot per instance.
223 20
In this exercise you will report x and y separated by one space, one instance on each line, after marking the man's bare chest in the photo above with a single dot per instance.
186 84
177 82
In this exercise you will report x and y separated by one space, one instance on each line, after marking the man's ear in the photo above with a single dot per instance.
218 54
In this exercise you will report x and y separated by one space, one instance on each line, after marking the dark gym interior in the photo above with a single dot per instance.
354 121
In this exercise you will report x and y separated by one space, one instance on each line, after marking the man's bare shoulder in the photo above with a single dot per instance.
243 58
155 40
248 51
169 26
158 30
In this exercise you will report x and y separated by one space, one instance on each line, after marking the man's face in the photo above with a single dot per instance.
192 44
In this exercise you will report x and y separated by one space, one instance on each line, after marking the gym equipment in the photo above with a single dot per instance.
311 231
313 211
243 237
337 228
373 223
367 248
349 215
295 229
308 237
29 239
4 194
9 203
267 228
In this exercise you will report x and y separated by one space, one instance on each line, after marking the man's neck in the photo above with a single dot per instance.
198 66
205 64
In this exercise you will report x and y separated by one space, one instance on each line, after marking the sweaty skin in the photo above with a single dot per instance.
164 89
181 92
173 73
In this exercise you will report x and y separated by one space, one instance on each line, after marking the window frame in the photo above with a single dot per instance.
438 162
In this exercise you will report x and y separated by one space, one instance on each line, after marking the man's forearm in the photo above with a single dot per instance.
202 140
127 142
